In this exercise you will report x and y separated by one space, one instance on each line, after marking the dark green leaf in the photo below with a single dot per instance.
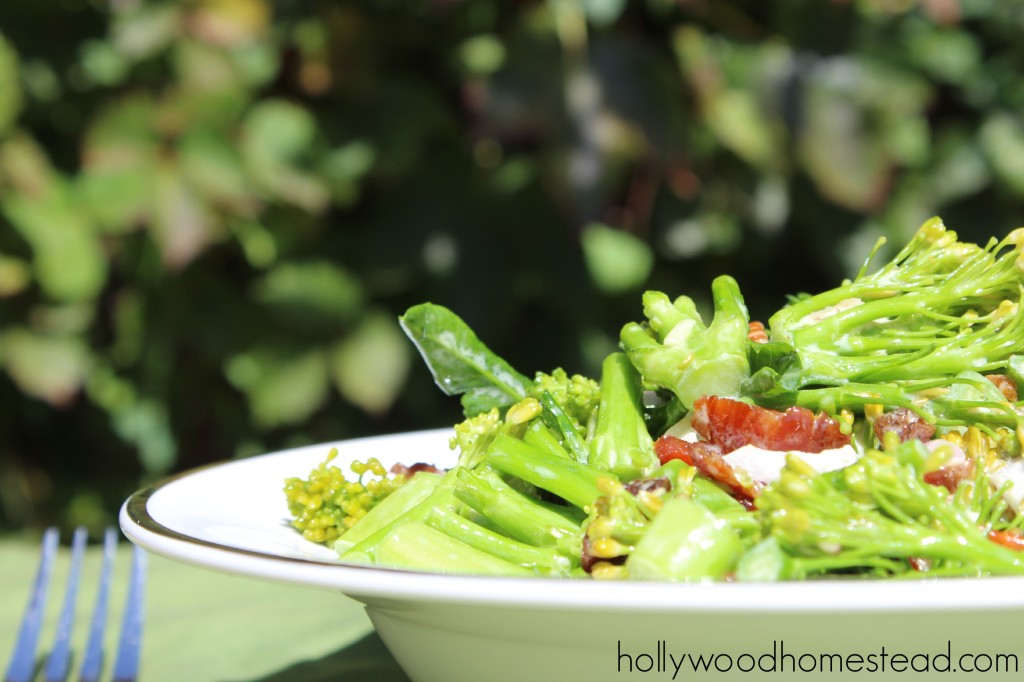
460 362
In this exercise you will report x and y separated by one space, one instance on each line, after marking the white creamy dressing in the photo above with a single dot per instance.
766 465
1012 472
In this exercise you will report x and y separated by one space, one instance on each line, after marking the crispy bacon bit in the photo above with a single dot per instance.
1007 538
649 485
905 423
668 448
919 564
950 476
708 460
1005 384
408 471
731 424
756 332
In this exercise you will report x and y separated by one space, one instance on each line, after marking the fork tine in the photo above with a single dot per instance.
58 662
23 660
92 659
126 665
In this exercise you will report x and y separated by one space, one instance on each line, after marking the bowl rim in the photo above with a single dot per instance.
373 584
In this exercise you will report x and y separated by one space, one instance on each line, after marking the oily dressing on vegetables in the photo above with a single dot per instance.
872 430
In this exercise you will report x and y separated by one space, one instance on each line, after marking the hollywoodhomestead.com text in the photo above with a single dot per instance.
944 660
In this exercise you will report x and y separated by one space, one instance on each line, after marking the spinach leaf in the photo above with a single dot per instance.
460 362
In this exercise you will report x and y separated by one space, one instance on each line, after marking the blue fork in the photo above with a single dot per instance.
22 667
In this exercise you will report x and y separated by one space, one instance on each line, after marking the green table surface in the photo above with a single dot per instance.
205 626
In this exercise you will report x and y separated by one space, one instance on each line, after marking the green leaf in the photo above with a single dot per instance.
482 55
67 257
214 168
10 90
776 373
282 388
460 362
116 186
117 200
603 12
370 366
318 287
738 121
144 30
618 261
1002 139
51 368
182 225
277 137
145 424
345 166
15 276
102 63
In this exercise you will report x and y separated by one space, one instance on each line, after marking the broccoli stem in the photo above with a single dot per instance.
521 517
939 307
417 546
576 483
874 511
545 560
621 444
443 495
412 492
557 420
684 542
540 436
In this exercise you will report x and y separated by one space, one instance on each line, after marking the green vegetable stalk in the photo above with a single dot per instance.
939 307
876 515
576 483
621 444
684 542
676 351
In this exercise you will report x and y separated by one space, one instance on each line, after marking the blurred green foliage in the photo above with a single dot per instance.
211 211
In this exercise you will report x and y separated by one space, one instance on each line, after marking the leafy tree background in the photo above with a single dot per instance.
212 211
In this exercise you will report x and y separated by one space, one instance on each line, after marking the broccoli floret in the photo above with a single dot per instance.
577 395
326 503
675 350
474 435
911 328
880 517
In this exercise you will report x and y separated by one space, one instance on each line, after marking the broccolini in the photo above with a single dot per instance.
917 363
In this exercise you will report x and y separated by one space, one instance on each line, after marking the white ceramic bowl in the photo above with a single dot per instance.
233 517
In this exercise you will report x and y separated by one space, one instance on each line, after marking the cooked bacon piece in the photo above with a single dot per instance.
950 475
408 471
1005 384
756 332
905 423
708 460
649 485
1007 538
588 559
731 424
668 448
919 564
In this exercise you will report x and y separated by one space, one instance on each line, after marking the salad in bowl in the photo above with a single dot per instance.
872 430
